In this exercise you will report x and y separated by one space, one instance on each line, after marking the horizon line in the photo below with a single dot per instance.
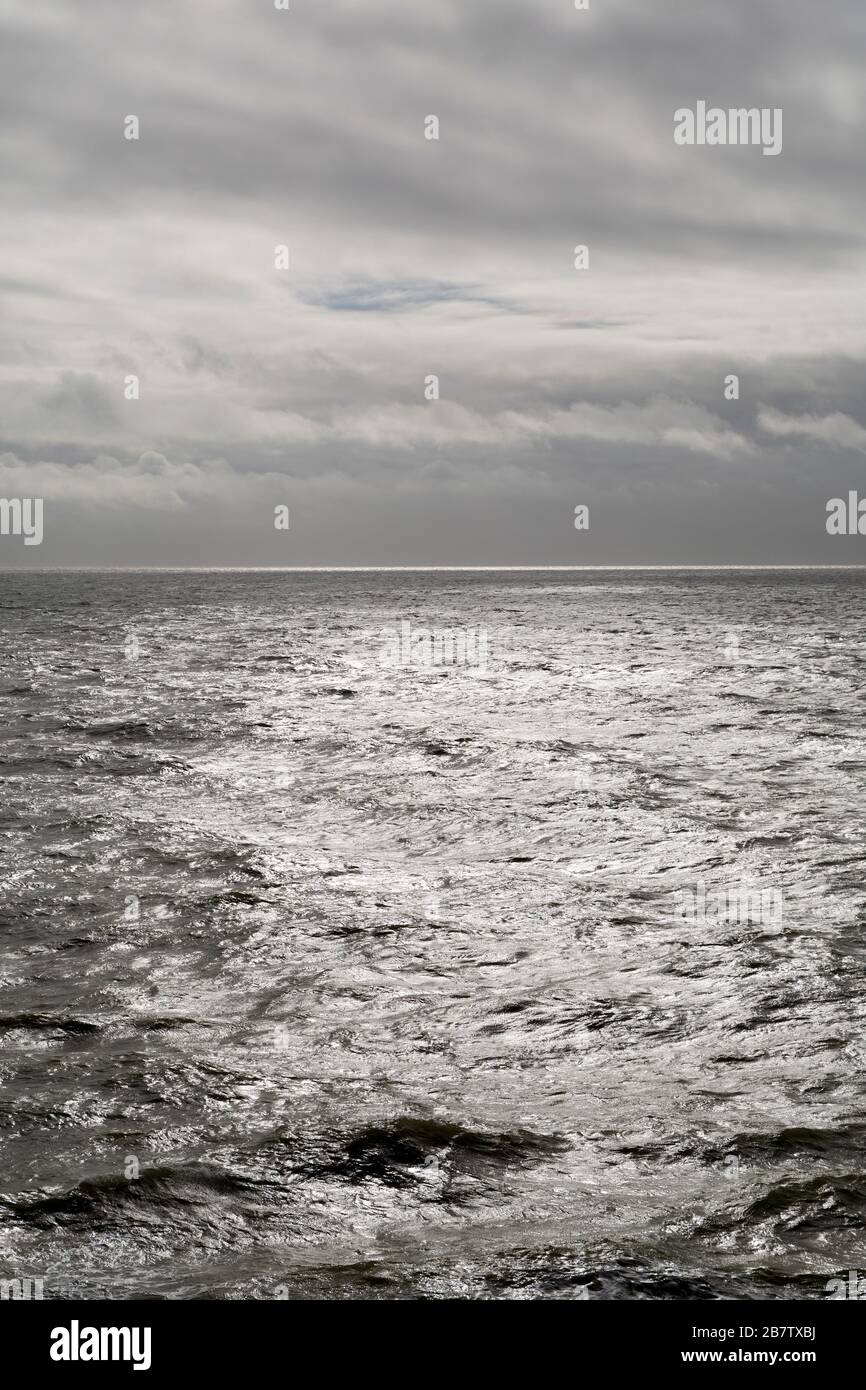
401 569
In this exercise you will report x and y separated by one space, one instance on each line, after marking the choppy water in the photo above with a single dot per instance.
380 976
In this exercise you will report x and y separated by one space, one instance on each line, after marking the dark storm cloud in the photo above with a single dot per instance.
412 258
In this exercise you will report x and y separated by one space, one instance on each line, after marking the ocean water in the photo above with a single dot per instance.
432 934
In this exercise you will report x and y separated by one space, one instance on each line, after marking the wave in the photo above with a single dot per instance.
47 1023
395 1154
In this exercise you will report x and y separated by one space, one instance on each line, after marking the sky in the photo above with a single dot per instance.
263 386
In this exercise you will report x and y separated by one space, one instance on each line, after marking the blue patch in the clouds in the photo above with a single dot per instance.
393 297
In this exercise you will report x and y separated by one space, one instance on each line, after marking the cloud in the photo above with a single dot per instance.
411 257
151 482
836 430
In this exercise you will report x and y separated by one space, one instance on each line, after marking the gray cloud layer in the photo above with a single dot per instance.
411 257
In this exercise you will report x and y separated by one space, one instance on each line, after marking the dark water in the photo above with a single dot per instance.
333 977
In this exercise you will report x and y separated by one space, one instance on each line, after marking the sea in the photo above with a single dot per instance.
476 934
